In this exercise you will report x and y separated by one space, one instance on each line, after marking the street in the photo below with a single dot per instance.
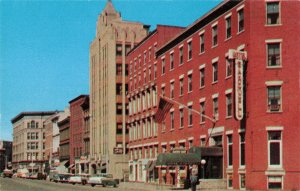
18 184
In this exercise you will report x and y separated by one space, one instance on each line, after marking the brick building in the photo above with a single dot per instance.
142 98
77 130
235 65
64 144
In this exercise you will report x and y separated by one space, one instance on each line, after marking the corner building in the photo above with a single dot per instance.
142 97
253 96
108 82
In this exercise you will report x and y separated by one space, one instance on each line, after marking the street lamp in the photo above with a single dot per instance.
203 162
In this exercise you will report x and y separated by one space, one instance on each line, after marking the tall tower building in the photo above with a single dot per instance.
108 86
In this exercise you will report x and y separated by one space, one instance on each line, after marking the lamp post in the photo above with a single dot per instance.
203 162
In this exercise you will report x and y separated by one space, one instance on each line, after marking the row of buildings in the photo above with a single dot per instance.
53 140
232 80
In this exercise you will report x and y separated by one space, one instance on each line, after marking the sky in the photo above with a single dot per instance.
44 47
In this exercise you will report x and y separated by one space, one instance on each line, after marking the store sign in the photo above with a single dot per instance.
118 151
239 57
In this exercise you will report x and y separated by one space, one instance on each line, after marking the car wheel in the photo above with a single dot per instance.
92 185
73 183
115 185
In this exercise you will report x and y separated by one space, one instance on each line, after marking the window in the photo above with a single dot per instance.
190 50
229 150
119 89
216 108
190 114
145 77
273 54
242 181
241 20
202 142
275 182
181 117
119 70
215 72
163 91
127 48
164 148
274 146
202 47
163 65
181 87
215 35
154 71
119 108
145 56
229 180
172 90
149 74
242 149
202 110
228 105
228 27
149 54
119 49
274 98
126 70
180 55
273 13
190 83
202 77
172 120
229 64
171 61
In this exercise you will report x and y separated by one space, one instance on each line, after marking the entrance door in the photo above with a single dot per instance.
214 168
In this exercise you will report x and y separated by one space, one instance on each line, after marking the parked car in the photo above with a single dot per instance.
79 179
63 178
7 173
102 179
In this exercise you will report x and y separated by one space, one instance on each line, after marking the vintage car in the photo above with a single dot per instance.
7 173
63 178
79 179
102 179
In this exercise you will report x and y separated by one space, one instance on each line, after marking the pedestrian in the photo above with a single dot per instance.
194 177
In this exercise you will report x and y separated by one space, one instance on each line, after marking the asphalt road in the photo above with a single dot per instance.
18 184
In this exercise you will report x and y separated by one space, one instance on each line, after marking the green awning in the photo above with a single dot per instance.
170 159
207 151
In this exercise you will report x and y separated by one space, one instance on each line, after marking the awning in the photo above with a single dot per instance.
148 165
152 166
178 159
207 151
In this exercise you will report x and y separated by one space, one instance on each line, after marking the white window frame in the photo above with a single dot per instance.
280 147
274 41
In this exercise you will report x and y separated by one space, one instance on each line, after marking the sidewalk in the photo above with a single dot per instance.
134 186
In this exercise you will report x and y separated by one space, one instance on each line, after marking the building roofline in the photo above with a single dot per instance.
32 113
78 97
220 9
151 34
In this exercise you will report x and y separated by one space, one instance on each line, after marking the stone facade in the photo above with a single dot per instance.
108 82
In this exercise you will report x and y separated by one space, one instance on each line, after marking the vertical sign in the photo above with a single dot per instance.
239 57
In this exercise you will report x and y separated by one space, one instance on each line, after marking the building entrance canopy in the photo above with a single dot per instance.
170 159
193 157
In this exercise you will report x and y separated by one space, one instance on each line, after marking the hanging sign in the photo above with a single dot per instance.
239 57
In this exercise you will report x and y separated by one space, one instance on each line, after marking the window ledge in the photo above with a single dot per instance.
181 128
274 67
214 46
200 53
202 87
275 171
242 170
190 126
273 25
227 39
228 77
214 82
202 123
189 59
229 169
228 117
171 69
240 32
274 112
